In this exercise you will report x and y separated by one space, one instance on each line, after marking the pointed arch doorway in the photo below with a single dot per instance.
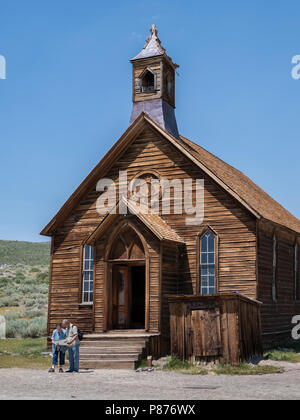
127 283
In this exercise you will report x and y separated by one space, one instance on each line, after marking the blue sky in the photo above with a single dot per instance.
67 96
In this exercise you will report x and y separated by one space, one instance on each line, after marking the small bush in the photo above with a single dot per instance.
44 289
35 270
8 301
28 289
37 328
173 363
16 328
9 291
33 313
29 302
29 281
42 300
12 292
23 329
43 278
4 281
12 316
20 275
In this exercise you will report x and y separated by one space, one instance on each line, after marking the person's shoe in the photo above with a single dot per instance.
76 371
61 370
69 371
51 370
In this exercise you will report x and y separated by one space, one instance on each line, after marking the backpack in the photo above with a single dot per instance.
80 335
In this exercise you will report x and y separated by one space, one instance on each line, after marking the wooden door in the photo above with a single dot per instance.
120 297
206 328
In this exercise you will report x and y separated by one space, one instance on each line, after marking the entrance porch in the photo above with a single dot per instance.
115 349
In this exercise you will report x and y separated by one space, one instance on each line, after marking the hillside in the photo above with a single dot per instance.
28 253
24 283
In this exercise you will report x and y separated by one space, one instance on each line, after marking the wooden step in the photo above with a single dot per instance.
117 336
115 349
107 364
112 343
105 356
110 350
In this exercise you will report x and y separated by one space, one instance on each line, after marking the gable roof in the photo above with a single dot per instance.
258 199
152 221
253 198
116 150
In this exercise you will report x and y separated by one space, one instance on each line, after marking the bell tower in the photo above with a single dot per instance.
154 84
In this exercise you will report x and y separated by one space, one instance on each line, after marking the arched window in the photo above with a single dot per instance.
296 272
169 83
274 279
147 81
208 263
88 274
127 246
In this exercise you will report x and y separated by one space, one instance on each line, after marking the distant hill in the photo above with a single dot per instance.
29 253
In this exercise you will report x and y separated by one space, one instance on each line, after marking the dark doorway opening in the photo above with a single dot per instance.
138 295
148 82
128 296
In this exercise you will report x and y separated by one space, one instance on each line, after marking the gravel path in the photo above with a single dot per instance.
129 385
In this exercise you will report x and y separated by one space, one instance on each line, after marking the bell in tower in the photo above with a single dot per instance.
154 84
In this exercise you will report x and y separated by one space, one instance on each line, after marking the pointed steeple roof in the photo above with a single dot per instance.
153 48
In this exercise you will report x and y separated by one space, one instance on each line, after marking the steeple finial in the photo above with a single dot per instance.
153 47
154 41
153 30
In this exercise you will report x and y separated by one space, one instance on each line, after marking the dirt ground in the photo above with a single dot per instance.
157 385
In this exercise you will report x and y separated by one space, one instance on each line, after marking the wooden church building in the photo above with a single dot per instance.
113 273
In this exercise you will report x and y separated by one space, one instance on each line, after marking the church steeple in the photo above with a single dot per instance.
152 47
154 84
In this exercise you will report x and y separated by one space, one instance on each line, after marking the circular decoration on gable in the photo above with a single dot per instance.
147 185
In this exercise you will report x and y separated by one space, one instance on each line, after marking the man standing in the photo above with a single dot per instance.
73 345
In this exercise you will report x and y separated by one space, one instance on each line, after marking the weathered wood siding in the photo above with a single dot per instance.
170 279
224 328
235 227
276 316
65 283
138 69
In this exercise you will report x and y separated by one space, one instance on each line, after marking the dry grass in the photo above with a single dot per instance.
284 356
247 369
174 364
286 352
22 362
11 309
24 354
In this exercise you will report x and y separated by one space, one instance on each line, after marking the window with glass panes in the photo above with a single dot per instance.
208 263
296 272
88 274
274 279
